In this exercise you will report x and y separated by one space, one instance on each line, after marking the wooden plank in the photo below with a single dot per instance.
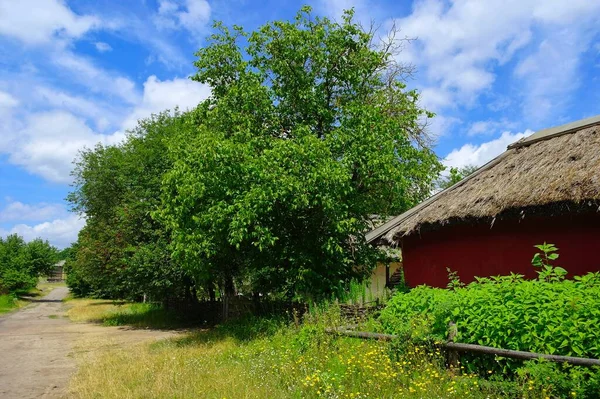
578 361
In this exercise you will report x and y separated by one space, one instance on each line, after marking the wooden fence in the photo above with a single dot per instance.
454 347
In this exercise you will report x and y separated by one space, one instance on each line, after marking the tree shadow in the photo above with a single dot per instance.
240 330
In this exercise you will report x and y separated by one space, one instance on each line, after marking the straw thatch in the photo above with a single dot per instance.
561 168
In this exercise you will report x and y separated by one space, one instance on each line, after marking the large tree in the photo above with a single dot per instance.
309 132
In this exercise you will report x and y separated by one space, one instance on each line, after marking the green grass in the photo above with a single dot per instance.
272 358
19 299
121 313
8 303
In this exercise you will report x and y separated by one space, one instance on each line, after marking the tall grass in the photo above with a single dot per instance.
271 358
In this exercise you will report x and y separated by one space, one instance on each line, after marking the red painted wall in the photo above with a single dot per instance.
478 250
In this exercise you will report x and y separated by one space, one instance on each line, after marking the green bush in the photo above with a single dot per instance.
549 315
558 317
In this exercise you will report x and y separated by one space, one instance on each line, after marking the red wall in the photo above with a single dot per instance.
478 250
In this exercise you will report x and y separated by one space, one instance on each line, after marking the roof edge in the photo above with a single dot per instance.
386 227
552 132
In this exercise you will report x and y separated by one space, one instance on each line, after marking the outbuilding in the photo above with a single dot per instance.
543 188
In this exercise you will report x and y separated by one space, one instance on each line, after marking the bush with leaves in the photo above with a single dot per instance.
548 315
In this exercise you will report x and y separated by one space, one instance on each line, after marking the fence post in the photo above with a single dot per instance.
453 358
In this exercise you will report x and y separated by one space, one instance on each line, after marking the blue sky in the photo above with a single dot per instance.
74 73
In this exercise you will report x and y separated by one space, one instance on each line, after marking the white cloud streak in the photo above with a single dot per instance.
18 211
471 154
59 232
39 22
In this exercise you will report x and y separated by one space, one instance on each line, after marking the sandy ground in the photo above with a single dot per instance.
39 347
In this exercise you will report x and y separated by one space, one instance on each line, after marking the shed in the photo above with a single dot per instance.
543 188
58 272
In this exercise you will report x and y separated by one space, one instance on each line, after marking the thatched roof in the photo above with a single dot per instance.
560 165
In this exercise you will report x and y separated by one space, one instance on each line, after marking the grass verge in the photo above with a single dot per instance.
18 299
121 313
9 302
269 358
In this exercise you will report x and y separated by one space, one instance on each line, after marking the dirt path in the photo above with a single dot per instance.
37 347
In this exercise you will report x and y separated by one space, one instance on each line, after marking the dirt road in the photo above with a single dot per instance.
37 346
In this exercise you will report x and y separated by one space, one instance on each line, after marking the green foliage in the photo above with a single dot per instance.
7 303
21 263
308 131
453 280
560 380
549 315
509 312
122 252
542 261
456 175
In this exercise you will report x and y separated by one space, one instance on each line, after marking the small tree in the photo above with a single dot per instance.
456 175
21 263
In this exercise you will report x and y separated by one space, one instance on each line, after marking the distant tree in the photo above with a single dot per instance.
456 175
308 132
21 263
123 251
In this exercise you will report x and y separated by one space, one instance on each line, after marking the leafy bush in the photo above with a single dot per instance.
548 315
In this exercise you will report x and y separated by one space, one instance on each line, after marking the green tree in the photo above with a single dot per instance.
456 175
122 251
308 132
21 263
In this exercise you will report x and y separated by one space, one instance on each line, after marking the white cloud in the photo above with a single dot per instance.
42 21
18 211
47 142
489 127
470 154
98 80
192 15
7 100
59 232
167 94
460 44
551 72
103 47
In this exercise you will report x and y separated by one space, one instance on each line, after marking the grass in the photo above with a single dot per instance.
270 358
15 300
9 302
120 313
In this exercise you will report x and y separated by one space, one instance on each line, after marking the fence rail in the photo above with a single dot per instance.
348 331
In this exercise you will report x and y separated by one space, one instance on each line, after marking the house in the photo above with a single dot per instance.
58 272
543 188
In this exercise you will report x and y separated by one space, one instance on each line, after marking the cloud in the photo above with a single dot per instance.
59 232
461 44
192 15
470 154
489 127
162 95
551 72
98 80
103 47
7 100
18 211
46 143
38 22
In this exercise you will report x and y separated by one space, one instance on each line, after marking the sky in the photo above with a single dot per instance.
74 73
